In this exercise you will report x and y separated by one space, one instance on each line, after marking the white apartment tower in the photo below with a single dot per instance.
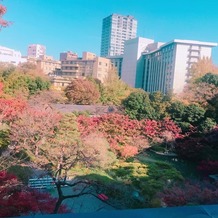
36 50
115 30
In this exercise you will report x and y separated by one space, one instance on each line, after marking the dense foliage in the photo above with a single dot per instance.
19 82
82 91
197 148
115 146
127 137
190 193
138 106
113 90
18 200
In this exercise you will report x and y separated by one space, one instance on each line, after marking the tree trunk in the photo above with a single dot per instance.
57 205
60 197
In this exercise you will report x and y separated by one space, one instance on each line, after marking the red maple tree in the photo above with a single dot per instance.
17 199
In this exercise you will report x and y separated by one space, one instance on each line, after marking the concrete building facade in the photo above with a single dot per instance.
116 62
11 56
47 64
132 61
89 64
156 66
36 50
116 29
167 68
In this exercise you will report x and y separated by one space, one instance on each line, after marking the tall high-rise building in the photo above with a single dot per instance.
115 30
36 50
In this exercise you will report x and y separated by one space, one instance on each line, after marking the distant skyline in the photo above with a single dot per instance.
76 25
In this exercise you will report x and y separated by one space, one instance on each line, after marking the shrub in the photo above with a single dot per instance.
21 172
208 167
197 148
190 193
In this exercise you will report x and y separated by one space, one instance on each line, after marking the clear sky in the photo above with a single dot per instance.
63 25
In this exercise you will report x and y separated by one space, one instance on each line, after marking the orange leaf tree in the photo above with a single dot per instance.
81 91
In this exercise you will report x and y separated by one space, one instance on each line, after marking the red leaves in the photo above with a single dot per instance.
2 10
190 193
11 108
208 167
123 133
197 148
150 128
153 128
16 199
128 151
3 23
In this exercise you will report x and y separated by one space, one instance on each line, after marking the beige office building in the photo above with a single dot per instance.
89 64
47 64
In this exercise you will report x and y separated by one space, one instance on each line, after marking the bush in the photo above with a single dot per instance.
138 106
197 148
21 172
190 193
208 167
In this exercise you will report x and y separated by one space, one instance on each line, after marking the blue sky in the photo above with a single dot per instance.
75 25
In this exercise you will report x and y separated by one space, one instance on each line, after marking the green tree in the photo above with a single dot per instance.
19 83
138 106
212 110
176 111
209 78
160 102
61 151
194 114
114 90
207 125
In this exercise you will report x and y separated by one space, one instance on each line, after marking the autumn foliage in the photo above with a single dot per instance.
198 148
3 10
11 108
126 136
81 91
33 127
190 193
17 199
208 167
